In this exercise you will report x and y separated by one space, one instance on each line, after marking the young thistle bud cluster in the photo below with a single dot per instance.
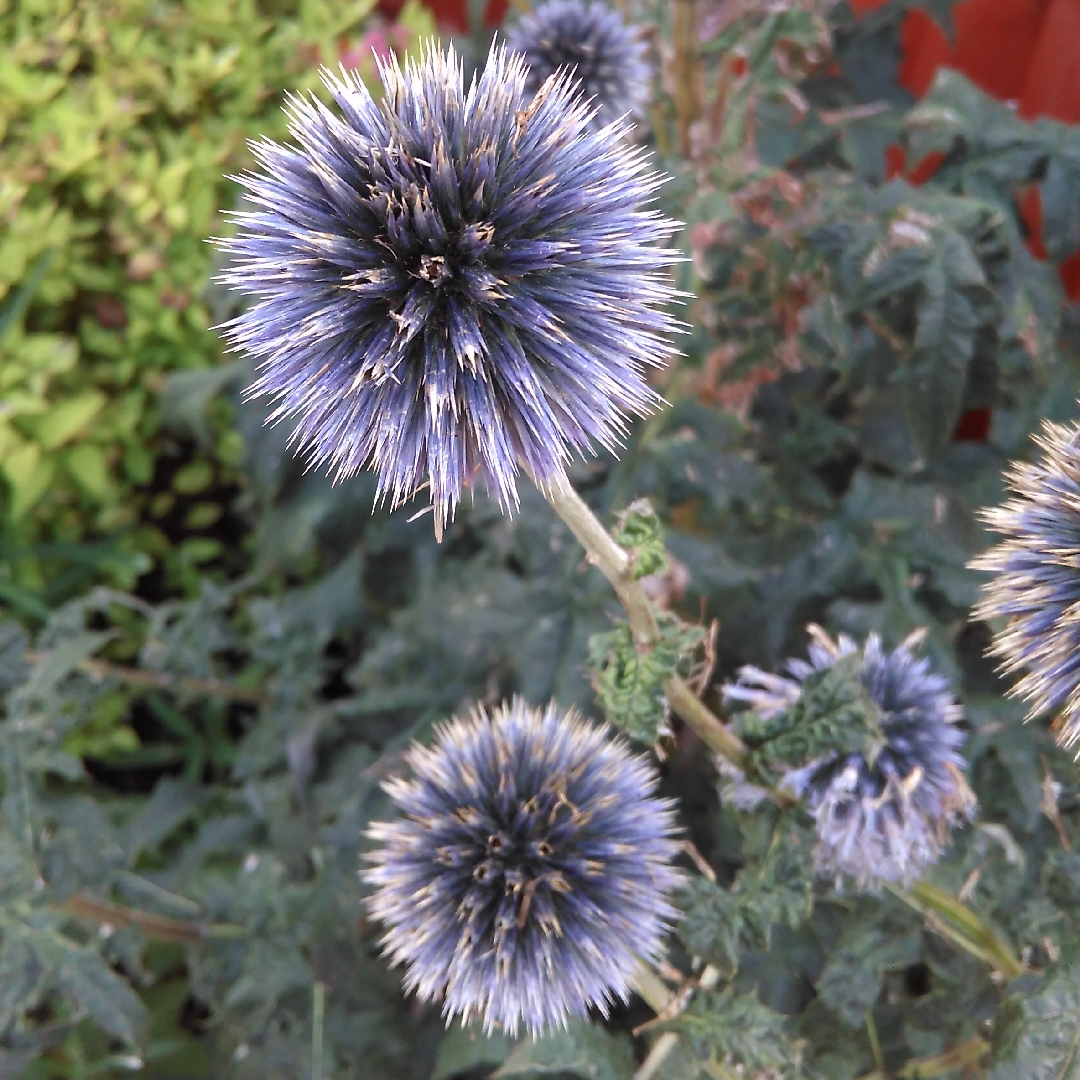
605 54
884 815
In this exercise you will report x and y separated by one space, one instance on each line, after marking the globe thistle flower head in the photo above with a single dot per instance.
1036 579
886 818
529 870
449 283
606 55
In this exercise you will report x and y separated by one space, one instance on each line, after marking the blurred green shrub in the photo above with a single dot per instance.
118 124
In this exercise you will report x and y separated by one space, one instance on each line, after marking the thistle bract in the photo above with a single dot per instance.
452 283
604 54
889 817
1036 582
530 868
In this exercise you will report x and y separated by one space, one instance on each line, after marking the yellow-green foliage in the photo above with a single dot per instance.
118 122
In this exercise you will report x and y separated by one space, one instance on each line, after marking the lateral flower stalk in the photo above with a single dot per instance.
615 564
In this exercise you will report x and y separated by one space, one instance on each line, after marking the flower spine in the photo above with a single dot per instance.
605 54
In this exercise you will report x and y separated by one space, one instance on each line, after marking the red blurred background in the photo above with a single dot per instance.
1020 51
453 14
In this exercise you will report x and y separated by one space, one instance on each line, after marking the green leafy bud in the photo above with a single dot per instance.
630 682
640 532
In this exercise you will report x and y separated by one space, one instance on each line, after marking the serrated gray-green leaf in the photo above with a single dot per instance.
172 803
738 1030
333 604
1036 313
583 1049
270 970
899 271
854 974
1060 196
548 654
772 889
18 874
629 682
863 142
712 923
944 341
1037 1036
19 803
639 531
23 977
13 646
953 107
186 397
47 759
59 662
95 987
962 268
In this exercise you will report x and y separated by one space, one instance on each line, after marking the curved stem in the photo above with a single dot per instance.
705 722
614 563
602 551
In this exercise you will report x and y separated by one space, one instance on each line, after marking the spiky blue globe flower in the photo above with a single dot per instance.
886 818
530 868
1036 579
604 53
452 282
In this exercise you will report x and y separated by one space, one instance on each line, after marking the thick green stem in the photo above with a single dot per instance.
611 560
702 719
614 563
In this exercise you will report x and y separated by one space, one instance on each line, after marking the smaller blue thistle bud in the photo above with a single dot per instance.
596 46
1036 579
530 870
888 818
